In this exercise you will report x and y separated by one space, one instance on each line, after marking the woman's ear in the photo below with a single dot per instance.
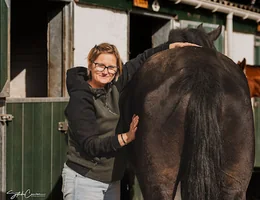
89 72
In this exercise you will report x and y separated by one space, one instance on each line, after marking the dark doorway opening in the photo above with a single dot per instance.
142 28
253 192
30 45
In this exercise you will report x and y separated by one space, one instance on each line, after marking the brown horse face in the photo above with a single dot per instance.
252 73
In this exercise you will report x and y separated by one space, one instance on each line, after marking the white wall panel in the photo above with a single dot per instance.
243 47
95 25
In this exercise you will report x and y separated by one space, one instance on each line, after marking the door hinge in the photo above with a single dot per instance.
63 126
6 117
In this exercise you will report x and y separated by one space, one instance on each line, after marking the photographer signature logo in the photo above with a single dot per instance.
27 194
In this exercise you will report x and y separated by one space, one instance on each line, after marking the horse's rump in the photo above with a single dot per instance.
195 126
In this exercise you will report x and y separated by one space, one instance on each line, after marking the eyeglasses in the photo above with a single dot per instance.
100 67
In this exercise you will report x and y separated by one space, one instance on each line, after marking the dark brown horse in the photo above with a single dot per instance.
196 122
252 73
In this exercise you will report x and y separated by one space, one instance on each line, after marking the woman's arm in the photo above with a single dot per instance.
81 116
134 64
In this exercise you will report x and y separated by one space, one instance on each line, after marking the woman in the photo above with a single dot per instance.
96 160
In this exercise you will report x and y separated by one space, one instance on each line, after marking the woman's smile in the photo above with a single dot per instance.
101 78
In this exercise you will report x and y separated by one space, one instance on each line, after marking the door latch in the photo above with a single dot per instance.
63 126
6 117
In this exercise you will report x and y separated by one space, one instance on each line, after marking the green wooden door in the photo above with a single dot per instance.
36 149
219 43
4 50
257 50
256 105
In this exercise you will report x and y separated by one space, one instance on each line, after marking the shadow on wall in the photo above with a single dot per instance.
56 193
253 192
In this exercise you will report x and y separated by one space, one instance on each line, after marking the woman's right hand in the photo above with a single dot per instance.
130 135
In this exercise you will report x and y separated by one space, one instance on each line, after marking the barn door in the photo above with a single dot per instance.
219 43
36 147
161 35
4 50
256 104
256 107
257 50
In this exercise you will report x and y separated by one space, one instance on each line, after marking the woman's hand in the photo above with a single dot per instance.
128 137
182 44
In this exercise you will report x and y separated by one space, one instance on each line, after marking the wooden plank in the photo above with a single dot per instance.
4 51
14 162
28 118
46 126
59 146
257 132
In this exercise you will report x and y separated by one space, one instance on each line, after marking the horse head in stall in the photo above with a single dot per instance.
196 122
252 73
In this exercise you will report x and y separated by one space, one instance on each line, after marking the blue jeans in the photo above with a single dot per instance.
78 187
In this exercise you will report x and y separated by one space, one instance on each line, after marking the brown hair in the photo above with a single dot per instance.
104 48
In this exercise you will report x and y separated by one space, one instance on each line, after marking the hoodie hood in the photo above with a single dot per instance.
77 78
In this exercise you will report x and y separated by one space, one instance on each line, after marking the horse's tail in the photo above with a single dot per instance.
203 143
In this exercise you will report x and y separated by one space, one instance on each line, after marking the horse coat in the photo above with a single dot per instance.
196 122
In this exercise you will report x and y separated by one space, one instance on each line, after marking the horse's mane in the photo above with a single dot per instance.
192 35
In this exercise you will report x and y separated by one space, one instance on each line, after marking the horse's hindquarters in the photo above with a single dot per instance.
159 140
195 125
238 146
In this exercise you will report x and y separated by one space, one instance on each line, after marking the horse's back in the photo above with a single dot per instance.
187 62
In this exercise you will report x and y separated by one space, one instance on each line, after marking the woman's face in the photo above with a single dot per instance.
101 78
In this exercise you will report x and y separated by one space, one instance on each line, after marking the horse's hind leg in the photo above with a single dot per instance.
233 188
158 188
156 173
235 181
238 148
159 141
158 166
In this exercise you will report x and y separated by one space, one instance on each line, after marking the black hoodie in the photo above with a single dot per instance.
94 150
